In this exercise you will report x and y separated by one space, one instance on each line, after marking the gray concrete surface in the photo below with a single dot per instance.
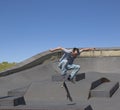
105 90
32 80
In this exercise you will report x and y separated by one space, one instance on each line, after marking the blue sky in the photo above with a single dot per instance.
29 27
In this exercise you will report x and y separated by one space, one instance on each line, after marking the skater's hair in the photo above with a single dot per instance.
76 49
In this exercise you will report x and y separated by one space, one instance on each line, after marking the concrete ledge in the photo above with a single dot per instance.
80 76
105 89
114 89
60 78
98 82
12 101
19 101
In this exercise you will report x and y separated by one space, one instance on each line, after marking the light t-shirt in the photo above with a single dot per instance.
68 56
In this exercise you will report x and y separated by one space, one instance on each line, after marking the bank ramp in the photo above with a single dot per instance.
36 83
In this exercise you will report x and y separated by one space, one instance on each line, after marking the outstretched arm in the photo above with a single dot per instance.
55 49
87 49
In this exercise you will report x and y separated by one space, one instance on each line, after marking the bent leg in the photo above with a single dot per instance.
63 66
75 69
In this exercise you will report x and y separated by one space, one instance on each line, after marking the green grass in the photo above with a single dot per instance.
6 65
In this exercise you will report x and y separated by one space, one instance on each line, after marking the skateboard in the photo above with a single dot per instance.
67 91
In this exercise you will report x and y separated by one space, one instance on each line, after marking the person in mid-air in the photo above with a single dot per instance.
66 61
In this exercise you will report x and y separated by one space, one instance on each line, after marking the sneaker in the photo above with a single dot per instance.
69 78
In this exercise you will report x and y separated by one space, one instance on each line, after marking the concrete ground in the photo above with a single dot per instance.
29 85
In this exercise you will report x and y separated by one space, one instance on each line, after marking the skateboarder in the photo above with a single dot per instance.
66 61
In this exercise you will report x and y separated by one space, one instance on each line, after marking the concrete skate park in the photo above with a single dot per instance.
36 83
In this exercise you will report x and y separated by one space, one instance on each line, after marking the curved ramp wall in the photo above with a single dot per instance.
29 63
102 59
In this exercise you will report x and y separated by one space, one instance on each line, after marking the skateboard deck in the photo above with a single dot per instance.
67 91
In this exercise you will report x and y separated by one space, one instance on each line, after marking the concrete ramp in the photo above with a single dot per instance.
36 83
105 90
